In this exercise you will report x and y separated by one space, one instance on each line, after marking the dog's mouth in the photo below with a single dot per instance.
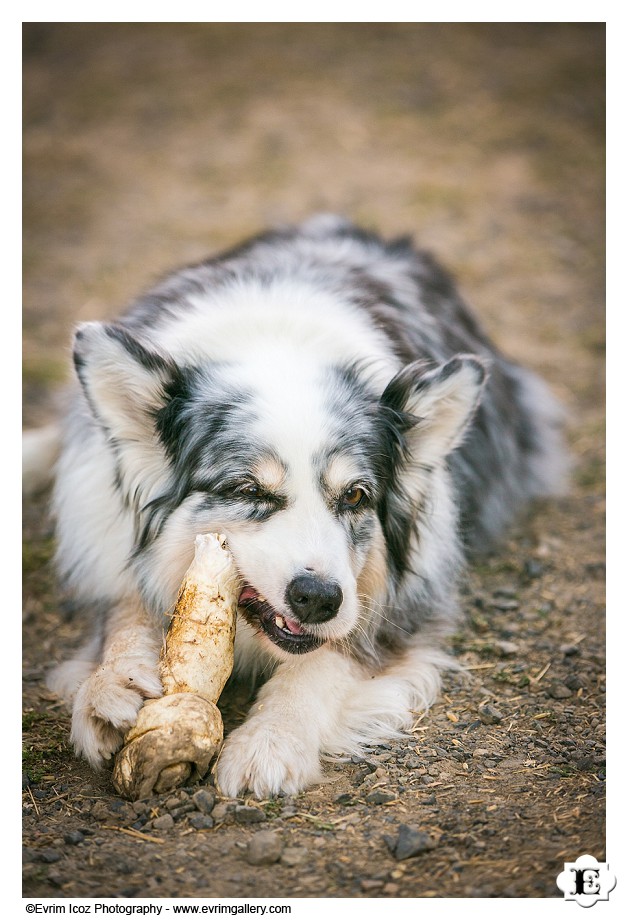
283 631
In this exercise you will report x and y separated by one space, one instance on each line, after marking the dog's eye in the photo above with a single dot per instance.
250 490
353 497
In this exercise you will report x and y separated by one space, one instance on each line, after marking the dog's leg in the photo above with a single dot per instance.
277 749
386 705
107 702
324 702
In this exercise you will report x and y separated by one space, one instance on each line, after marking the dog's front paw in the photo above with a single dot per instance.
266 759
106 706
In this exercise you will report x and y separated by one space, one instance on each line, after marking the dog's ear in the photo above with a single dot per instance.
122 380
426 412
434 407
124 384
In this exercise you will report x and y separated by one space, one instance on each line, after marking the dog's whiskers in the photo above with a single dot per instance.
375 608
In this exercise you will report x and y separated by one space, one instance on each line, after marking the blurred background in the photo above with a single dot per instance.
147 145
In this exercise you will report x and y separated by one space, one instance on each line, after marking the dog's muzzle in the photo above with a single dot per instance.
286 633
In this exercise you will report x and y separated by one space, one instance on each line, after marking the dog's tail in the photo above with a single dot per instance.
40 451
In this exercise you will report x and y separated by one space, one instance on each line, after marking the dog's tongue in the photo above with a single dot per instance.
293 627
247 594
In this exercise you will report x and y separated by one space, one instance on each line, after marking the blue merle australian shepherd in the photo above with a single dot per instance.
327 401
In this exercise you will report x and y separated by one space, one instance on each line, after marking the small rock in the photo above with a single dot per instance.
73 837
505 591
371 884
380 797
249 814
224 812
559 691
201 822
370 780
569 650
115 810
345 798
410 841
204 800
391 888
505 604
294 856
489 715
163 823
575 682
506 649
184 809
264 848
120 807
49 855
99 811
533 568
359 778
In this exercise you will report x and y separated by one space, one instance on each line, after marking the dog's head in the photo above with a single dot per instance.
315 475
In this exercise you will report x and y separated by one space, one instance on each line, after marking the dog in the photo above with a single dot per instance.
325 399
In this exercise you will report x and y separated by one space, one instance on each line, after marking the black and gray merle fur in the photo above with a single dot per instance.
326 400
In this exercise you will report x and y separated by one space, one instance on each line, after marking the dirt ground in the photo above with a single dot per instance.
148 145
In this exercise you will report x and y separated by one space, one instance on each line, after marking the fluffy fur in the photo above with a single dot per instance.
326 400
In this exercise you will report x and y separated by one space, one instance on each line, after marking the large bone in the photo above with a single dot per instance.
176 737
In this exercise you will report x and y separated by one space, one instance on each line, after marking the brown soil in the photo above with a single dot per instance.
148 145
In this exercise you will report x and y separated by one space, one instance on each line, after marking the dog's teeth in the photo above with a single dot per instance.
280 622
261 599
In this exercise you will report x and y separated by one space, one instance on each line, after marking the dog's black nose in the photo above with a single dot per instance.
313 599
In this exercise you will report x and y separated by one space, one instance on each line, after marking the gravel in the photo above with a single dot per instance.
264 848
410 841
204 800
249 814
201 822
489 715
